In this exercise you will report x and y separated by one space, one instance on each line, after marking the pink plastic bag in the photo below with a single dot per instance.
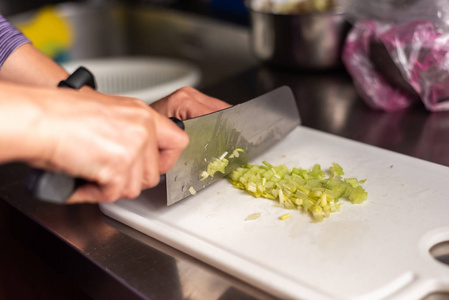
397 52
419 52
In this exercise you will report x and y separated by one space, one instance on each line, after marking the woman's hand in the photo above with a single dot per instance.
187 103
121 144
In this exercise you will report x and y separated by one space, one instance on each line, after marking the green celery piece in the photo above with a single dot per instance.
358 195
304 189
316 172
352 181
336 170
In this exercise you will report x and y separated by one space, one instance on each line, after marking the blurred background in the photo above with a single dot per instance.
192 32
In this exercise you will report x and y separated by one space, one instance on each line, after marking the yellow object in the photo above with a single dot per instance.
254 216
192 190
284 217
49 32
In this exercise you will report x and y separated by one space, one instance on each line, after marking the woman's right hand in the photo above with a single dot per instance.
121 144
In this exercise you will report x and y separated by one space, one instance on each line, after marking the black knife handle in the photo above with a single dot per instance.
52 187
178 122
78 79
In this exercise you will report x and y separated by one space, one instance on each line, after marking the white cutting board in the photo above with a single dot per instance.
375 250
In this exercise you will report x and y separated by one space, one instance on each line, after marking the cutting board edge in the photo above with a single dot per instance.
168 235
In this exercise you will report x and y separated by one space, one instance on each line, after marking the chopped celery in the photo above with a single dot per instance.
219 164
297 188
317 212
336 170
236 153
204 175
352 181
192 190
254 216
285 217
223 155
316 172
358 195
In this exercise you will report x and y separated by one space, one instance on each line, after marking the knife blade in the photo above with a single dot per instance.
254 126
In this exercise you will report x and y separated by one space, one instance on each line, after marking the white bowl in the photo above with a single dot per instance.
145 78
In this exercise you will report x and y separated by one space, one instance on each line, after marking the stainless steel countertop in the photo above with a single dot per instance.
111 261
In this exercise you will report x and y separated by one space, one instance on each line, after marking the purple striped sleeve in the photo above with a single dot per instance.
10 39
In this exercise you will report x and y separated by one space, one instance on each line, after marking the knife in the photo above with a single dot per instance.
253 126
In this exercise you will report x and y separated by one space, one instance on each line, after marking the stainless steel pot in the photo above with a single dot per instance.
304 41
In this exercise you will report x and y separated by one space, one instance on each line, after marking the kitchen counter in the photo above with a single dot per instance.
108 260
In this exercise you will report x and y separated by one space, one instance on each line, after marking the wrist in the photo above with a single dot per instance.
19 120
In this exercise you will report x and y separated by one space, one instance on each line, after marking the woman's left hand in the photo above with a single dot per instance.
186 103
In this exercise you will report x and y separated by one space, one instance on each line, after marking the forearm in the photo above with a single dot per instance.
18 115
27 65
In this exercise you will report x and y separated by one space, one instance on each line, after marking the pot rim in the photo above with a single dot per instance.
337 11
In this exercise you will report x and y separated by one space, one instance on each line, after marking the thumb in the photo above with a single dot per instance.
172 140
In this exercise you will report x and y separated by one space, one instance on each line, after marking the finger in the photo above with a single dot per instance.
93 193
211 102
150 156
88 193
188 102
192 109
150 165
127 185
168 158
133 187
171 142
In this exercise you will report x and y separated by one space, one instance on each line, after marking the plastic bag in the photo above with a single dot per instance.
400 11
417 47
